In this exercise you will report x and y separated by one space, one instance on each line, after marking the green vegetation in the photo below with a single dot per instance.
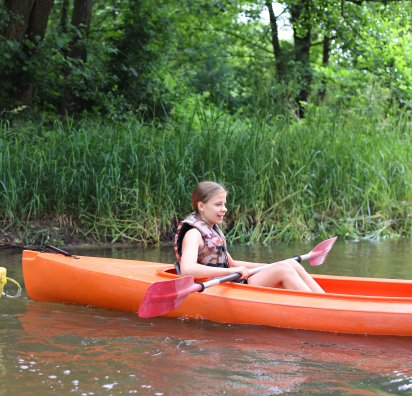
112 110
337 172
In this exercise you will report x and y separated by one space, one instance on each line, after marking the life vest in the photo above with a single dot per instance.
213 253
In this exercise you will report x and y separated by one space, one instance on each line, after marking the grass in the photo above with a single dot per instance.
337 172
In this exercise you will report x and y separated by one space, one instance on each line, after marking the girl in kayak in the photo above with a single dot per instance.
201 251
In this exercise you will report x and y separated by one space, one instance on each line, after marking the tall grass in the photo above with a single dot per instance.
336 172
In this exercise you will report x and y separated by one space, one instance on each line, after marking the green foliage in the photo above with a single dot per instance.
144 58
55 74
11 57
371 47
185 90
337 172
138 50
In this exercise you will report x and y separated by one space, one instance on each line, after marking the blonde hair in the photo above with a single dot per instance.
204 191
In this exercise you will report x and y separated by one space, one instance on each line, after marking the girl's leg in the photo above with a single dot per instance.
313 285
283 274
288 274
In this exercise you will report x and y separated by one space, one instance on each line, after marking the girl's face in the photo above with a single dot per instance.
214 210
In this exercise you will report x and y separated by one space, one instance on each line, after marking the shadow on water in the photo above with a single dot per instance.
64 349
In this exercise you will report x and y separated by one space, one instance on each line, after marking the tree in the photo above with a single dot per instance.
301 18
77 49
81 19
132 55
24 29
277 49
351 32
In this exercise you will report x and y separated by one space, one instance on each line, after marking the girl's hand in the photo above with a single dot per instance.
241 269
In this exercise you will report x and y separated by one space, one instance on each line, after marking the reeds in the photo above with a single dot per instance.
336 172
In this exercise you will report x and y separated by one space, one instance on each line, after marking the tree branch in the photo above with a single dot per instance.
230 33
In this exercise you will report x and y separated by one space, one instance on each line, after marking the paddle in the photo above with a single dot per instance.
163 297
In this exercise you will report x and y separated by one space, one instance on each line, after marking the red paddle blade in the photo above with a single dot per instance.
319 252
163 297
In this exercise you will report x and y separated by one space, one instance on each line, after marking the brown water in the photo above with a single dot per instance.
57 349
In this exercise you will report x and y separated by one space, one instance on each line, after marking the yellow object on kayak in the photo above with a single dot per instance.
3 280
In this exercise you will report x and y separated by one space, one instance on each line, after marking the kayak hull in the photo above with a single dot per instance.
351 305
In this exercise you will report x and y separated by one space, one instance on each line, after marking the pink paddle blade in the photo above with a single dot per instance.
163 297
319 252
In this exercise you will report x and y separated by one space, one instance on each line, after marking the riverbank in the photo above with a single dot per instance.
14 243
337 172
40 234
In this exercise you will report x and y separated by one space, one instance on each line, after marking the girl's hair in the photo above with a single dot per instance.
204 191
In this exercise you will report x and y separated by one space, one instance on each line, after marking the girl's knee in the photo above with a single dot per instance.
287 264
295 264
285 267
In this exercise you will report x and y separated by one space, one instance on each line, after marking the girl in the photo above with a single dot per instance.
200 247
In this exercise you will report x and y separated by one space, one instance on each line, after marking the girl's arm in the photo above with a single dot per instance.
191 245
247 264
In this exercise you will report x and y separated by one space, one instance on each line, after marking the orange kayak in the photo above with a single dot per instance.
350 305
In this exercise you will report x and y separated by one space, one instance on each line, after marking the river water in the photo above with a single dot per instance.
59 349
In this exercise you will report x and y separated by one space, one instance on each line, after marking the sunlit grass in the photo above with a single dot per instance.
334 173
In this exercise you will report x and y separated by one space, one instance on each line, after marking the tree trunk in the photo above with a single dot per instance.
38 19
20 11
28 19
302 26
325 61
277 50
114 11
64 12
81 17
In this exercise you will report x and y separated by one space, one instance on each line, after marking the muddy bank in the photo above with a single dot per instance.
39 234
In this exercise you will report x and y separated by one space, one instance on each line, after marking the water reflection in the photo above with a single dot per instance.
63 349
78 349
